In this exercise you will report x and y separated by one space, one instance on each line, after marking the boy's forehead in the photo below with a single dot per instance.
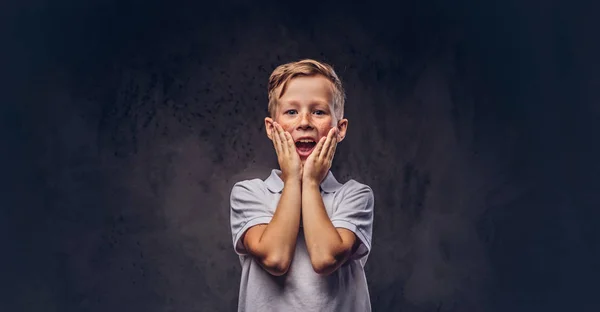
316 84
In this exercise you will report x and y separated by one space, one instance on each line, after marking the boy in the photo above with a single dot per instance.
302 237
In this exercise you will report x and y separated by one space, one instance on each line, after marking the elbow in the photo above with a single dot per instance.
276 266
325 265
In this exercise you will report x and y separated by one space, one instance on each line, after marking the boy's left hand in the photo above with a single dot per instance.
319 161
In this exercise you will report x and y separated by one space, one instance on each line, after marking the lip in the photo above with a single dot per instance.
307 153
305 138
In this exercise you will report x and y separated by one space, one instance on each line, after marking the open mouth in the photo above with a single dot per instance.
305 146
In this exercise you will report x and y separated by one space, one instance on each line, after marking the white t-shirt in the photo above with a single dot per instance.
349 205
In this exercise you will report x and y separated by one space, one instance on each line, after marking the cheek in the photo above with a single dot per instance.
286 125
324 130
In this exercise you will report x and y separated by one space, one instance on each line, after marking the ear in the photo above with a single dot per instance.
269 127
342 128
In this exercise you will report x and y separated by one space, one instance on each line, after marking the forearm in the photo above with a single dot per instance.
324 243
278 240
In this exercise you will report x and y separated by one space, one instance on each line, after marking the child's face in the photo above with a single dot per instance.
306 111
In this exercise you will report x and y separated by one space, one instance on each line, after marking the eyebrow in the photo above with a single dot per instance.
312 104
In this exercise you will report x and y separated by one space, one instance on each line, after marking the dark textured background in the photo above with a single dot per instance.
125 124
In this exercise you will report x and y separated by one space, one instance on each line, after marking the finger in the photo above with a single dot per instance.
332 153
283 140
276 136
318 148
290 142
276 140
326 145
331 149
332 145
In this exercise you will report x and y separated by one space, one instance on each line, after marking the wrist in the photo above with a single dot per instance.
292 180
310 183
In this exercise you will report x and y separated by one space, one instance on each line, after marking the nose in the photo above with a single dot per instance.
305 121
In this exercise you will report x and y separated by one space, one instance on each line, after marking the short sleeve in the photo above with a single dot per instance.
248 209
355 213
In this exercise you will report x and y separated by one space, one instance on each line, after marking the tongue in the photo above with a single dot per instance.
304 147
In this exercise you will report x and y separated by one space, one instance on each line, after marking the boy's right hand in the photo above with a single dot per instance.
288 158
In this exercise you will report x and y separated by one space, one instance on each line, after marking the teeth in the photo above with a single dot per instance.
306 141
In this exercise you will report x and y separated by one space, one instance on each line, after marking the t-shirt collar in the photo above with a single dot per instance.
275 184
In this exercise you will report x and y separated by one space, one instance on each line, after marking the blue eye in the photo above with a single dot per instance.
290 112
320 112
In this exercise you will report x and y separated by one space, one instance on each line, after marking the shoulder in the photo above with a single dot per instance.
354 193
251 186
253 183
352 186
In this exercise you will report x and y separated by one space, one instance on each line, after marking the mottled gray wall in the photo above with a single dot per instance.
127 124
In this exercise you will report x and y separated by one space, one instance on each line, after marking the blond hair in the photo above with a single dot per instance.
282 75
